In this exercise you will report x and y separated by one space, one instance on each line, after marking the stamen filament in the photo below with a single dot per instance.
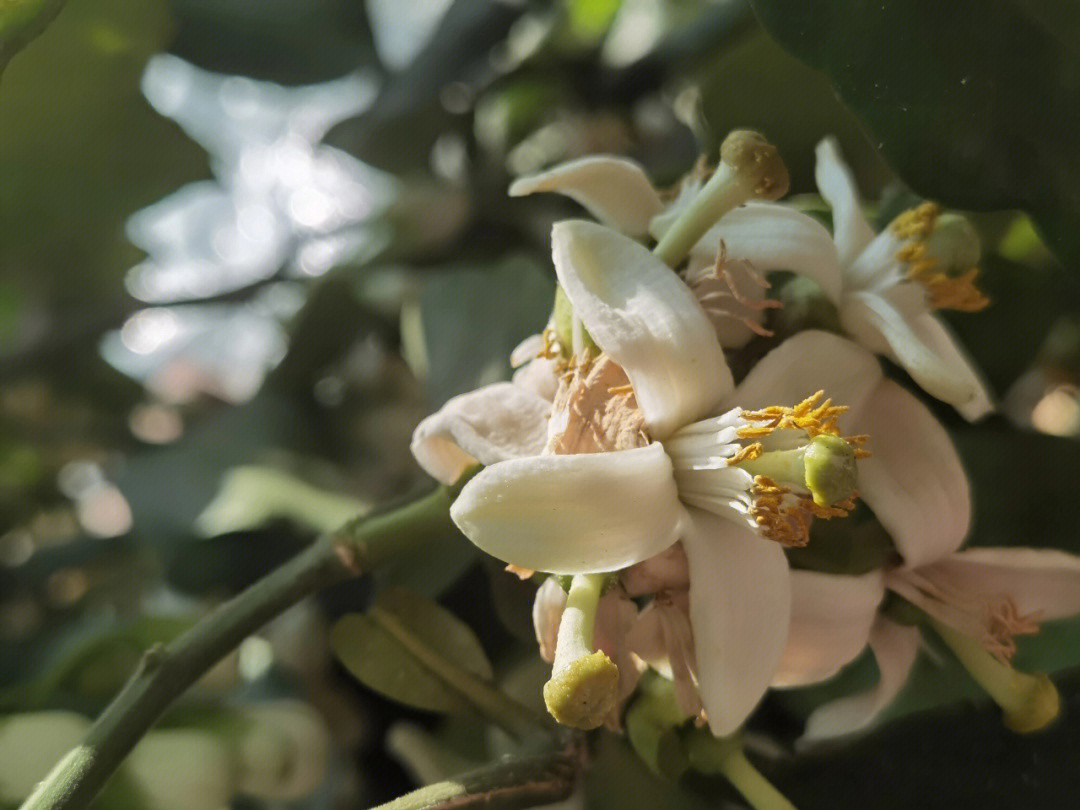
583 687
1028 702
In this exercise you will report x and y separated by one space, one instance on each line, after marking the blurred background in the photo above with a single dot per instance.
246 246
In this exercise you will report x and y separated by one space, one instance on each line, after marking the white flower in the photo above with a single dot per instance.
604 511
885 288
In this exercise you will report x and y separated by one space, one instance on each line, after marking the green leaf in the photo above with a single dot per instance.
975 103
377 647
21 21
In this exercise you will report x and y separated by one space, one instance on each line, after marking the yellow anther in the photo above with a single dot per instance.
809 415
773 512
552 347
747 453
621 389
959 292
916 222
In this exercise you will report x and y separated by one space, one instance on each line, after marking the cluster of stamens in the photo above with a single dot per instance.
945 291
718 292
811 415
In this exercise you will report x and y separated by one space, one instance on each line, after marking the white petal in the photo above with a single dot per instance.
831 617
740 606
575 514
614 190
913 479
643 315
539 376
1043 582
895 648
776 237
850 228
547 611
923 346
877 266
491 424
810 361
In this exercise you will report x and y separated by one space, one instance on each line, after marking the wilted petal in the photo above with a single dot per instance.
576 514
913 479
923 346
740 606
895 647
776 237
642 314
831 617
614 190
488 425
851 230
1041 582
810 361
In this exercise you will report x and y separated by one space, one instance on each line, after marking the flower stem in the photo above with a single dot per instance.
1028 702
724 755
167 670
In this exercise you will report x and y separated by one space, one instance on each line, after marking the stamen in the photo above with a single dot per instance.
552 348
717 290
945 291
916 222
747 453
808 415
772 510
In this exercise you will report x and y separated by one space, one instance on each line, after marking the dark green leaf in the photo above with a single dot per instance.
377 651
974 102
21 21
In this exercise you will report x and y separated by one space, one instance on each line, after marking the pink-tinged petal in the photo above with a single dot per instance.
539 376
810 361
850 229
642 314
488 425
895 647
775 237
740 607
614 190
831 617
576 514
923 346
913 480
1041 582
547 611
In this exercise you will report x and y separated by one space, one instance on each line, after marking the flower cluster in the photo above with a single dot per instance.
663 496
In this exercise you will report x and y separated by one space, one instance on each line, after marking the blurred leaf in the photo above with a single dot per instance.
376 648
976 102
470 319
21 21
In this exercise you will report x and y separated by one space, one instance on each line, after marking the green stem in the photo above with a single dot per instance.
527 782
166 671
494 704
724 755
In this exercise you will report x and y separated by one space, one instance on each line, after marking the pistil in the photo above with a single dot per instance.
584 683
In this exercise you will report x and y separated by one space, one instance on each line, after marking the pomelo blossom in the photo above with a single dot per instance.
594 512
886 288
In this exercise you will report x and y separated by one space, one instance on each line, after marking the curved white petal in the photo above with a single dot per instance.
810 361
913 479
642 314
614 190
775 237
1041 582
831 617
851 230
877 266
895 648
576 514
740 606
923 346
491 424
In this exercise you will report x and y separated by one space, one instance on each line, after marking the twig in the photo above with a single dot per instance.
167 670
527 782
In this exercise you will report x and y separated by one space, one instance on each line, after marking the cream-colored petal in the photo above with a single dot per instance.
1044 583
576 514
810 361
831 617
895 647
488 425
775 237
643 315
740 607
877 267
614 190
923 346
850 229
913 479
